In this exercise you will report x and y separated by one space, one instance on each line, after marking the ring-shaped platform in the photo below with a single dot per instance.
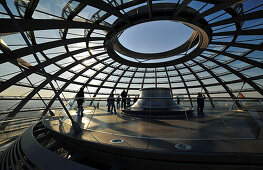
199 39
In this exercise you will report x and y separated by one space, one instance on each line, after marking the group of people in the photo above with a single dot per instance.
122 102
125 101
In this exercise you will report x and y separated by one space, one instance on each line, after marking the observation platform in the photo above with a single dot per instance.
223 139
216 132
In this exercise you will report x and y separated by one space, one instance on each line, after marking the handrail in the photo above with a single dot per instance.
29 109
215 98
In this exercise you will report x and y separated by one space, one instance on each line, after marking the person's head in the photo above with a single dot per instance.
111 95
199 94
82 88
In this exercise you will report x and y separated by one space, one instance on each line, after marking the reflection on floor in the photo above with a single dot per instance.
217 131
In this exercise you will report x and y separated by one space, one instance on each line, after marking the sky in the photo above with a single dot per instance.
155 36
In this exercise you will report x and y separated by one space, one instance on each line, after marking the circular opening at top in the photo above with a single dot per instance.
155 36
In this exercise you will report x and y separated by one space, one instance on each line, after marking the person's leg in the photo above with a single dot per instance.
78 102
198 110
113 106
124 103
81 107
202 109
79 110
108 106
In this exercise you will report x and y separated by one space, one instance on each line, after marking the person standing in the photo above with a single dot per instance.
108 103
80 100
111 103
123 101
118 102
178 100
200 104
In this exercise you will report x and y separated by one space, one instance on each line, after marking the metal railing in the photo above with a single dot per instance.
225 112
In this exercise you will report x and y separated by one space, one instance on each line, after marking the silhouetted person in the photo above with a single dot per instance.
108 103
80 99
123 101
111 103
118 100
200 104
178 100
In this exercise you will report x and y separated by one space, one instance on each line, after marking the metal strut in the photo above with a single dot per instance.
75 125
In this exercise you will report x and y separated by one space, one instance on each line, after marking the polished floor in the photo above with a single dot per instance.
217 131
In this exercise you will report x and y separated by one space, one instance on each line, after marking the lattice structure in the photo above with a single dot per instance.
49 49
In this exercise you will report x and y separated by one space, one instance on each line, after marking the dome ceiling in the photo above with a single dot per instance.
76 42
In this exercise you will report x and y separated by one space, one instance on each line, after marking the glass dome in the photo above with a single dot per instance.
49 49
71 41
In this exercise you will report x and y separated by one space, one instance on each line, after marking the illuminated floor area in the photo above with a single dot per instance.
228 132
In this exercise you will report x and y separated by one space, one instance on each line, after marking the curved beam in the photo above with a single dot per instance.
131 79
45 24
27 14
241 45
105 79
240 32
188 80
68 82
237 73
73 12
202 84
100 4
240 58
180 7
220 82
185 85
44 46
44 83
33 69
155 77
244 17
117 82
168 78
143 79
97 72
96 86
149 4
218 7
